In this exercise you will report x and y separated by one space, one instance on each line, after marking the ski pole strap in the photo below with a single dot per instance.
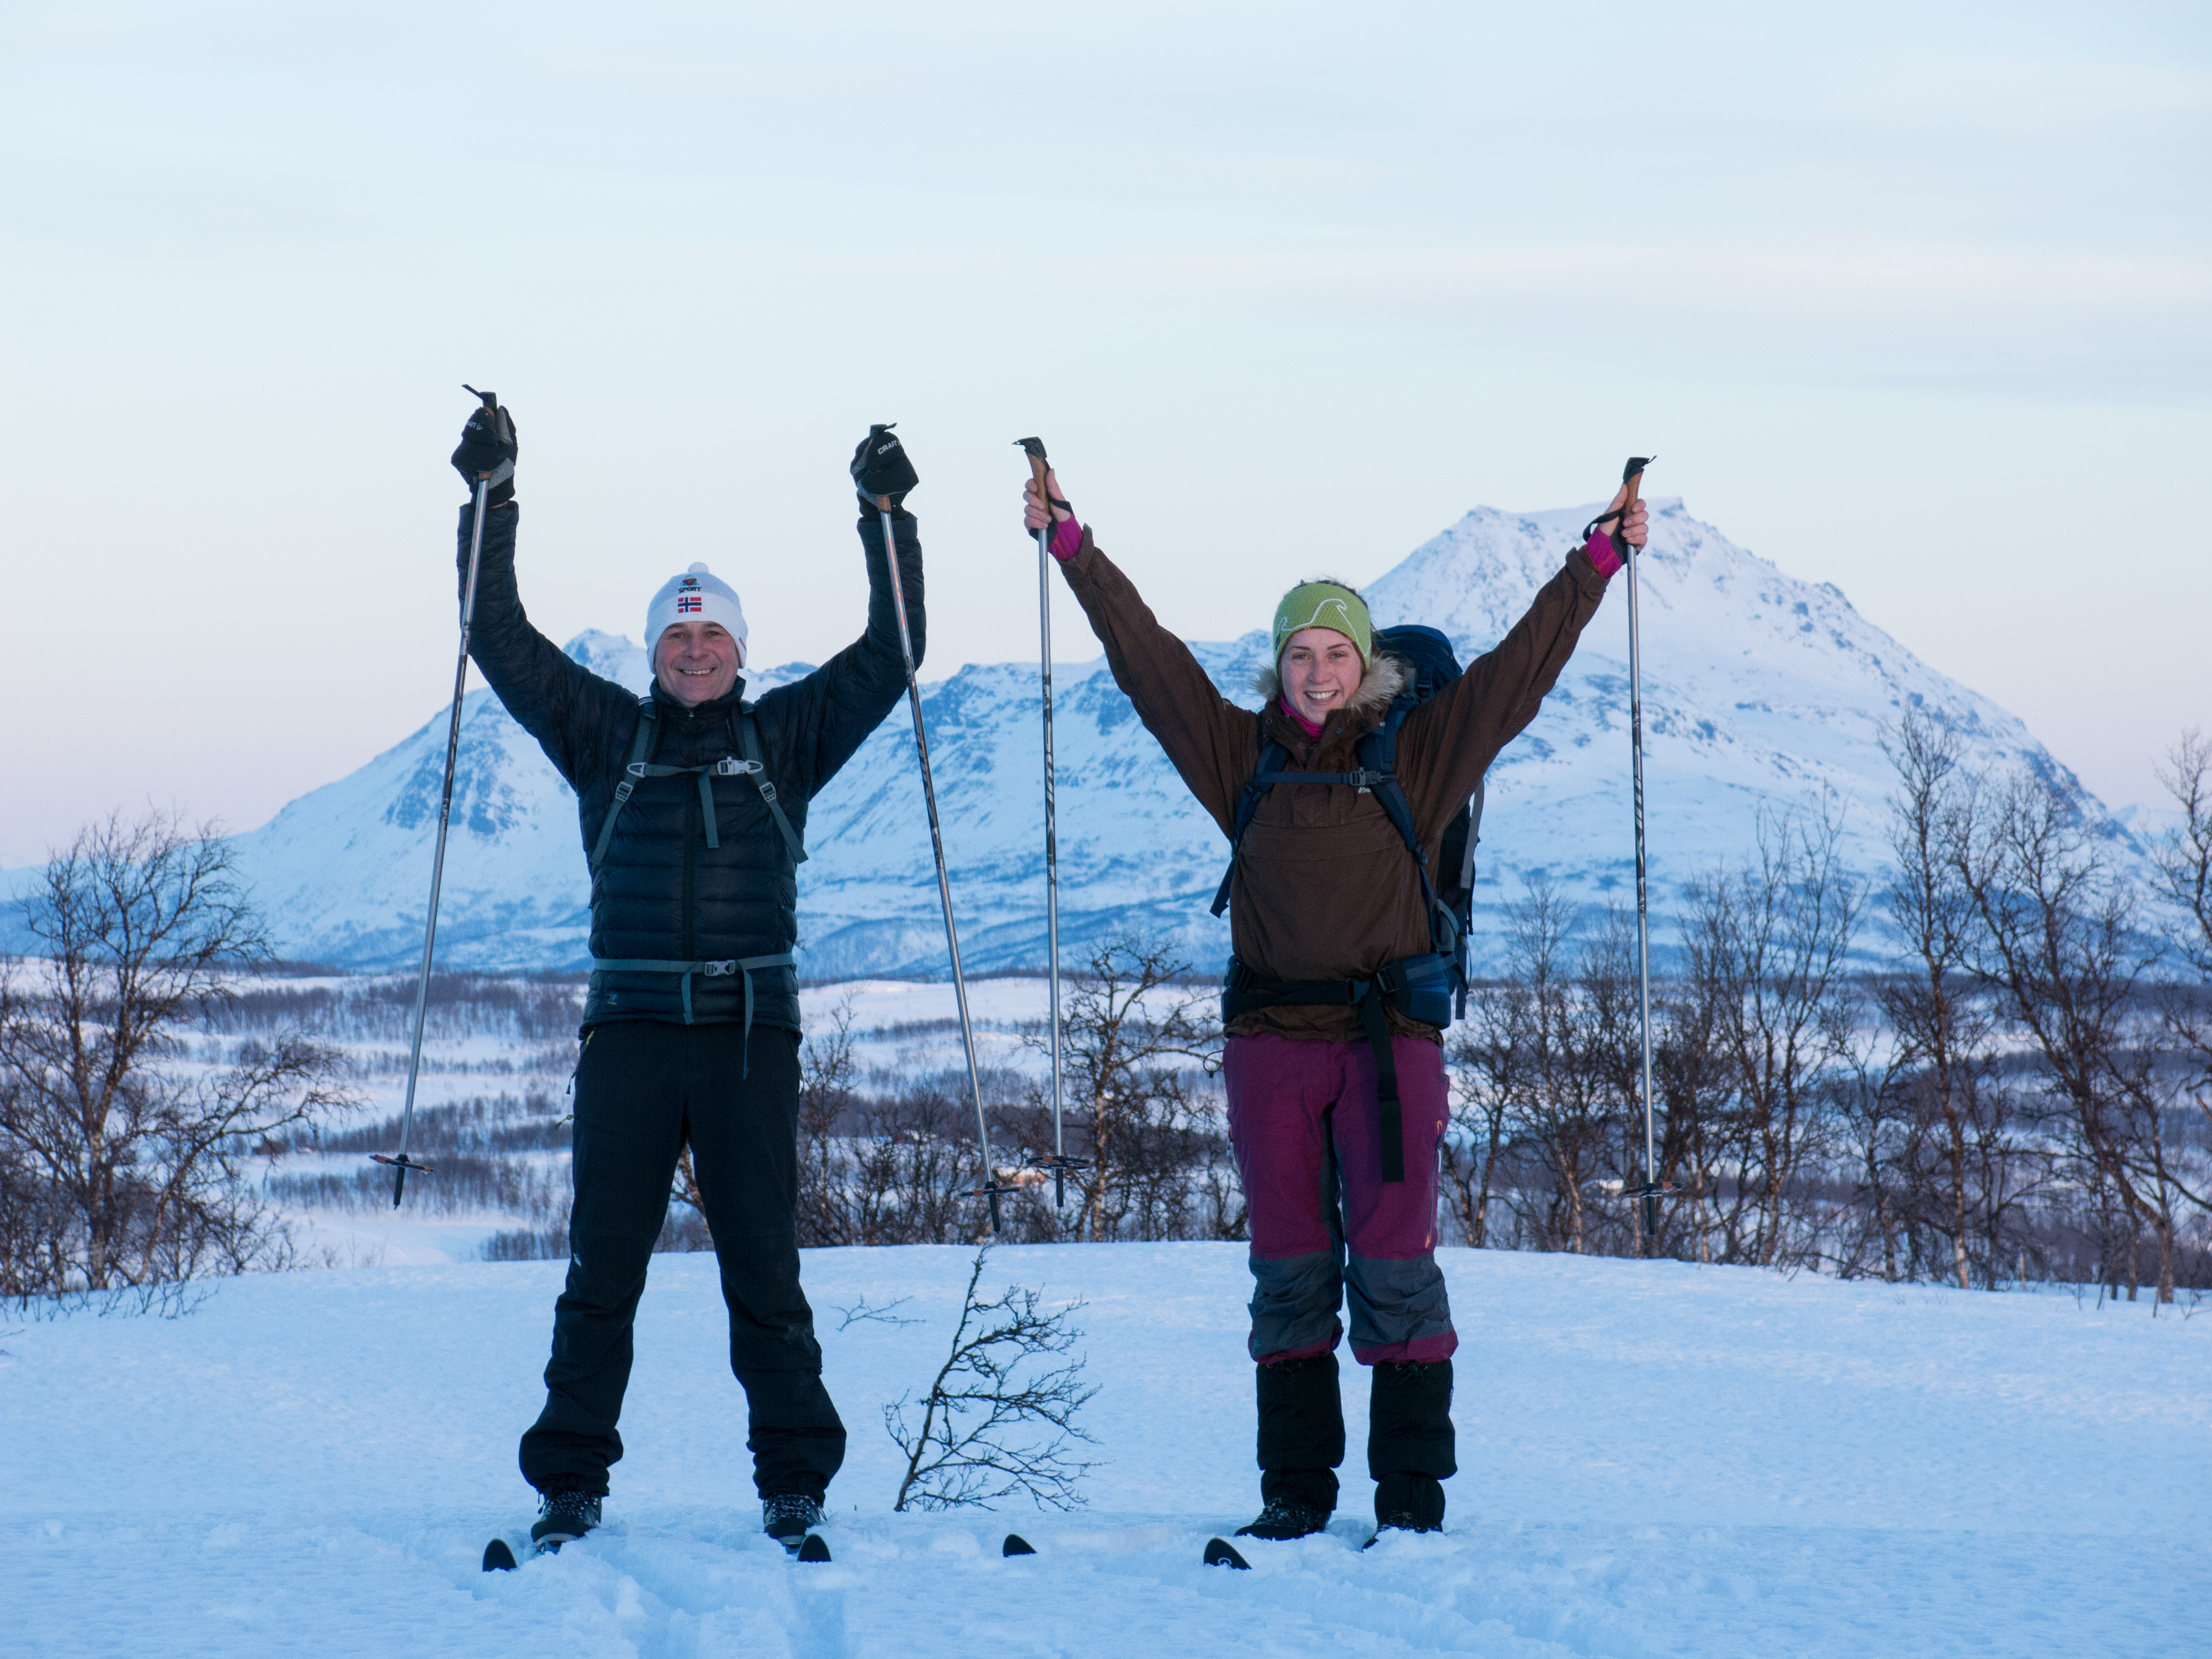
742 966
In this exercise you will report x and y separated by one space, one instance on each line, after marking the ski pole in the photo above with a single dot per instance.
990 1189
402 1164
1034 448
1632 478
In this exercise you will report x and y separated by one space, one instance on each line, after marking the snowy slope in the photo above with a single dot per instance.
1763 692
1656 1459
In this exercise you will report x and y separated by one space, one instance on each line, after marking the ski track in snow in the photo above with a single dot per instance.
1656 1459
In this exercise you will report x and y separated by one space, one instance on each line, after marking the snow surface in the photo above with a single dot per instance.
1762 692
1656 1458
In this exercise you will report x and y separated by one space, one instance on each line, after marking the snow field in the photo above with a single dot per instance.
1656 1458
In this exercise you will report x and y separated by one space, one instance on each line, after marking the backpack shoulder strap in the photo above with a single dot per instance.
1265 776
1378 755
640 749
1474 836
741 719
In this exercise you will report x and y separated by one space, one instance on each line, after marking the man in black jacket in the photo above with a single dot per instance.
693 807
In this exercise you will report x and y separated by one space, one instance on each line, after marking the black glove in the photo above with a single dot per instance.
880 468
488 445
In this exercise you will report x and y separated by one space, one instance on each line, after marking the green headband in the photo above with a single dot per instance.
1325 604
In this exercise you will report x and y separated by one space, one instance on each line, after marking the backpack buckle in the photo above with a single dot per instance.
729 767
719 969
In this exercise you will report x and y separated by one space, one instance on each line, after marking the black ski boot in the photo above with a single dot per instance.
1410 1445
1301 1443
563 1516
1284 1519
788 1517
1409 1503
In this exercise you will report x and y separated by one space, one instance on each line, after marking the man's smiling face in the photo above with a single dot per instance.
695 661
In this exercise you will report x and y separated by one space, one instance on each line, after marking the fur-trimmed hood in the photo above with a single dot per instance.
1385 677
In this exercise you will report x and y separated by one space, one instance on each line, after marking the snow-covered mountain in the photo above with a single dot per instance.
1761 692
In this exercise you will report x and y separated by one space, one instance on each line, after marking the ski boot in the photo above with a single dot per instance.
563 1516
1285 1518
1407 1503
790 1518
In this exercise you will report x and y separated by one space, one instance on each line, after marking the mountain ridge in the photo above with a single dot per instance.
1764 694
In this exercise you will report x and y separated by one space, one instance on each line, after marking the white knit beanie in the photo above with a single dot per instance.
695 596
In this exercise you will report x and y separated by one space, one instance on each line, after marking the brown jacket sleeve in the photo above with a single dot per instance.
1448 743
1212 743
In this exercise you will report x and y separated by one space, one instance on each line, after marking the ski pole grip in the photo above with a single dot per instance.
1034 448
1633 475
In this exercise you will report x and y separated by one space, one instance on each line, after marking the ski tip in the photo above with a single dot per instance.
1017 1545
1219 1553
498 1557
813 1549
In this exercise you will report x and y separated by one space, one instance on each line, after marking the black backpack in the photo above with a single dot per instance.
1449 890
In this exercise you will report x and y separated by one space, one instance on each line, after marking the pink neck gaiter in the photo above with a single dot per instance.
1308 727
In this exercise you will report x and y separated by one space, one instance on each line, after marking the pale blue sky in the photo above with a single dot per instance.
1915 299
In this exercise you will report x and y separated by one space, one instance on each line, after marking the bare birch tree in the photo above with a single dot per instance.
2060 936
131 1158
1772 940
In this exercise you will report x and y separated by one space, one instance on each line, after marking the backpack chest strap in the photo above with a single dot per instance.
640 766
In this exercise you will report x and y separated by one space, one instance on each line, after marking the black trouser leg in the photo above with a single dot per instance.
641 1084
1301 1430
744 1152
629 1129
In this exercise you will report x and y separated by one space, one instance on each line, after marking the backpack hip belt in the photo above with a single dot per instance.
744 966
1420 987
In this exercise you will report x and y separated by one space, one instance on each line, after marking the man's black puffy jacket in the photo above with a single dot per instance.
663 894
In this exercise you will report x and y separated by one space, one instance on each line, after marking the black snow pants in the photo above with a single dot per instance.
643 1088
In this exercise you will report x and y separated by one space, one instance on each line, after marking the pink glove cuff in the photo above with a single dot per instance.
1600 549
1067 540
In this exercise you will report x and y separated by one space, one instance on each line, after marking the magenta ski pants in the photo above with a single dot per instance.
1326 1227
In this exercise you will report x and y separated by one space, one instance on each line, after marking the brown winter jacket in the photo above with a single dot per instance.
1324 887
